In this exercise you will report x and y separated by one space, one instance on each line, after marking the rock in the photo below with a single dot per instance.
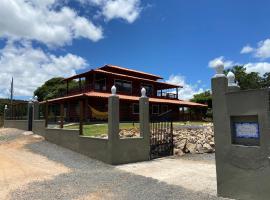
199 148
182 144
191 147
212 144
207 148
195 140
178 152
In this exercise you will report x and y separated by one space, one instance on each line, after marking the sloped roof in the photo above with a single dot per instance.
131 98
114 67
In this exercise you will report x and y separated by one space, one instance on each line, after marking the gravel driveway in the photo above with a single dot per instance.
31 168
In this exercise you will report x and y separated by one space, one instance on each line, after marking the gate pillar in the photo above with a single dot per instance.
241 128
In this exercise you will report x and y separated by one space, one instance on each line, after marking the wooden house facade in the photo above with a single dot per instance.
94 88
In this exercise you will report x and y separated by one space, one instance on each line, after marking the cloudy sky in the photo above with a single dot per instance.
177 39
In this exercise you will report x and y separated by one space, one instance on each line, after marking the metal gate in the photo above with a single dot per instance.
30 117
161 141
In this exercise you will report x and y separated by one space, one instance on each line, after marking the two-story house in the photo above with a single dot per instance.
94 88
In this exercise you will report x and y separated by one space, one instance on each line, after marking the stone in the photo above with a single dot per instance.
195 140
191 147
182 144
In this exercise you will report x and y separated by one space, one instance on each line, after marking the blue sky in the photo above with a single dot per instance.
176 39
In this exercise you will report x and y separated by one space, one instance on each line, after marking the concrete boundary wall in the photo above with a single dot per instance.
113 150
243 166
19 124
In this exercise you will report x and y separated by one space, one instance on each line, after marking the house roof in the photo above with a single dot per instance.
99 70
131 98
118 69
166 85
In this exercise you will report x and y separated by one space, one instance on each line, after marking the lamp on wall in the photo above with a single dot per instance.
143 91
219 67
231 80
113 89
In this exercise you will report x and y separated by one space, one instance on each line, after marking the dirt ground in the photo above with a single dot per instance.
32 168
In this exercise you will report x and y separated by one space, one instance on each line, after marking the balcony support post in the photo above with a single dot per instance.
67 88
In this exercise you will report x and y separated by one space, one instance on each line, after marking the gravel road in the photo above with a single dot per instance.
31 168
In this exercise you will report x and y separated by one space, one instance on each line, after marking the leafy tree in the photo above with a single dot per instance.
53 88
247 80
203 98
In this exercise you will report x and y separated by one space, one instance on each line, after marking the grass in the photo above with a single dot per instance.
190 123
95 130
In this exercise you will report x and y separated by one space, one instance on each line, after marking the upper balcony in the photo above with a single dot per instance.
83 88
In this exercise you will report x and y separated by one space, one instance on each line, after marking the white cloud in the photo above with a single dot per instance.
227 63
246 49
260 67
188 90
38 20
128 10
263 50
32 67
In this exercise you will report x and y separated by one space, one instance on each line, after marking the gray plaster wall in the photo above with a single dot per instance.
130 150
39 127
112 150
243 172
19 124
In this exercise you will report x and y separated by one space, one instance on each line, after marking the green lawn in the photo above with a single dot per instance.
95 130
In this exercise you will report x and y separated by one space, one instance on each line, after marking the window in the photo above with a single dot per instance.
148 88
155 109
123 86
136 108
100 84
164 108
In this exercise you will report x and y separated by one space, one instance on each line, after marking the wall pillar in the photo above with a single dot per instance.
113 127
36 110
144 117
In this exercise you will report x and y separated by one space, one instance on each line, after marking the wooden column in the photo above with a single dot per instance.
81 117
46 114
67 88
177 93
68 111
80 84
62 115
86 109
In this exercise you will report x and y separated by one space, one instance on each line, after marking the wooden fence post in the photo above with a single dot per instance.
81 117
62 115
46 114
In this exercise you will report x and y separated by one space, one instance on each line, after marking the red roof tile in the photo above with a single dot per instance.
154 100
130 98
131 70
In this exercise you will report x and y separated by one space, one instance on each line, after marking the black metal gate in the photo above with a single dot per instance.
161 141
30 117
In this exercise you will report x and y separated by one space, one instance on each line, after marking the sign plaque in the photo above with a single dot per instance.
247 130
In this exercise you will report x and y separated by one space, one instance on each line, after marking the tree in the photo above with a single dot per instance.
53 88
247 80
203 98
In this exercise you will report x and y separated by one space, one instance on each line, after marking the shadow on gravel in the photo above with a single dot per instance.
92 179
